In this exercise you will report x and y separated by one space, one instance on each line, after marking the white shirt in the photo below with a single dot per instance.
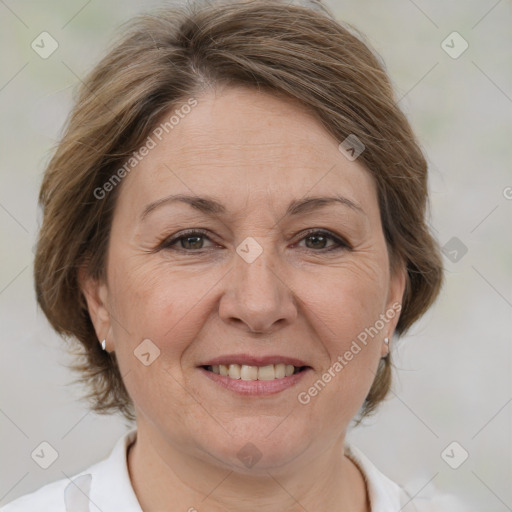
106 487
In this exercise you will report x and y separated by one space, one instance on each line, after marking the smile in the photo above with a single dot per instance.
247 372
249 380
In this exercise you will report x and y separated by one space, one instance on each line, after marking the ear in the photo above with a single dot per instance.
397 284
96 295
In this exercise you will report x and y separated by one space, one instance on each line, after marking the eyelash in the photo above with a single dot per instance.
169 243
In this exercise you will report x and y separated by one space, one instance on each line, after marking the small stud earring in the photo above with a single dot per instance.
386 341
104 344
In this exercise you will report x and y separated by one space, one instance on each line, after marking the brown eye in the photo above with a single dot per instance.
319 241
192 240
316 241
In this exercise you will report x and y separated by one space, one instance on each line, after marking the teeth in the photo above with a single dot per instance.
267 372
234 371
246 372
280 371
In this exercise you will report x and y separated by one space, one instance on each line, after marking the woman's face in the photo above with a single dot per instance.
272 277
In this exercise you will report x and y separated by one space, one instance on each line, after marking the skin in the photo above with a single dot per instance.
254 153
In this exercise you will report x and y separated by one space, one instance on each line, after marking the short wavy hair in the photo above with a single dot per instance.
299 51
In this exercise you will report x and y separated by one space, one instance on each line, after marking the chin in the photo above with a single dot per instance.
259 444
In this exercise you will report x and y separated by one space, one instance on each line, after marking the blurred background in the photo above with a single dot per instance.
448 422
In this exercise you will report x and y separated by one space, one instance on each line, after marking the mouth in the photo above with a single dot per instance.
252 372
255 376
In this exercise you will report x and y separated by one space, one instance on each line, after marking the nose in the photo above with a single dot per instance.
256 295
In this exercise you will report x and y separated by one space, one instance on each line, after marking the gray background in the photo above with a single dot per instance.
454 376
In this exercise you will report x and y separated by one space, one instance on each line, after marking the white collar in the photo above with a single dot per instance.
384 494
109 488
105 486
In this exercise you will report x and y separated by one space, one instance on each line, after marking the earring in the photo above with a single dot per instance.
104 344
386 342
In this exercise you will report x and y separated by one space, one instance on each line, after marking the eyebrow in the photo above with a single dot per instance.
212 207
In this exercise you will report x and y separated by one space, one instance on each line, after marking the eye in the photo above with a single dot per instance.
318 241
191 240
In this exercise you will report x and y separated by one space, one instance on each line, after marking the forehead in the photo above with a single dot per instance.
240 144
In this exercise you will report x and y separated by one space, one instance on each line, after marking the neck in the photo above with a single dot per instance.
162 474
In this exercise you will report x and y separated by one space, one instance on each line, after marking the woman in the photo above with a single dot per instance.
234 230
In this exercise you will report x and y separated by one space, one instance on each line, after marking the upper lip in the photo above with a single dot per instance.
249 360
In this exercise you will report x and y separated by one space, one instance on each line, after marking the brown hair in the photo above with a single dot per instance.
171 55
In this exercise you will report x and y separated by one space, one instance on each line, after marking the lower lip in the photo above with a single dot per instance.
255 387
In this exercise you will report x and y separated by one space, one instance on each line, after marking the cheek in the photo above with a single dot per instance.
344 307
345 299
151 294
153 302
166 304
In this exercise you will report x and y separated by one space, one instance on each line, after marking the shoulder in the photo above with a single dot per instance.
55 496
90 489
48 497
386 495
